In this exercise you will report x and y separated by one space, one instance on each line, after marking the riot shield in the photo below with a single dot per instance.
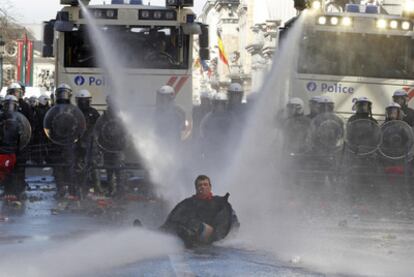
327 133
296 135
397 140
64 124
363 137
110 134
15 131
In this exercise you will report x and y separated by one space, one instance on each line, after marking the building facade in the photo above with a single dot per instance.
248 30
43 68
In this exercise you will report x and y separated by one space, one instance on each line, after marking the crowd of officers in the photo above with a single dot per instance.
74 164
397 110
322 106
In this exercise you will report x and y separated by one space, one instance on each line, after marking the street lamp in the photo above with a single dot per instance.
2 43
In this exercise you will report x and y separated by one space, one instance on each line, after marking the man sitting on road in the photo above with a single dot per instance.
202 218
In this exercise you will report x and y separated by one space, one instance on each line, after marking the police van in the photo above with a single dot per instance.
362 50
139 29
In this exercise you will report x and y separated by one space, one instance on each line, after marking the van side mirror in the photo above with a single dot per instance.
204 44
48 38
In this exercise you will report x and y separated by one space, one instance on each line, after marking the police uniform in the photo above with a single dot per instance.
86 153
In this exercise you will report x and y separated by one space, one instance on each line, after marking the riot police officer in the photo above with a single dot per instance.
363 110
169 118
401 97
15 134
200 111
393 112
24 108
33 101
43 107
61 156
39 138
313 106
326 105
63 94
1 102
86 152
235 94
296 127
112 138
295 107
17 90
235 106
215 129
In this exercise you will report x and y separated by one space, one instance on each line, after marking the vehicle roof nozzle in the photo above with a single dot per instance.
179 3
372 9
352 8
74 2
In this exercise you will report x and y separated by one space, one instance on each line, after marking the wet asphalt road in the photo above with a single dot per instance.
35 233
41 224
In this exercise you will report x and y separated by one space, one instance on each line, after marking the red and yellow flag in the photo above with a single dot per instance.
222 52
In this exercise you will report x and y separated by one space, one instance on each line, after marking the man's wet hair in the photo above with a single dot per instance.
201 178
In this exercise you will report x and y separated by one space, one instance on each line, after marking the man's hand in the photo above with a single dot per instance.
206 233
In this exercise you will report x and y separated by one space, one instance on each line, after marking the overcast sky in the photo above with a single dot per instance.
31 11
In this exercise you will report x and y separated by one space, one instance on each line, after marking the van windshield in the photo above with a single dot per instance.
355 54
143 47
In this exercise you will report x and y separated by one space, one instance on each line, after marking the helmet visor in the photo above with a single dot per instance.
401 100
363 107
393 113
10 106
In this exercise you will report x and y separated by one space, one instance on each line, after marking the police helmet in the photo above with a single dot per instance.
326 104
15 89
166 90
295 106
363 99
83 99
220 97
325 100
315 99
393 105
165 95
205 94
33 101
393 111
400 93
360 105
400 96
83 93
63 92
235 88
43 100
10 103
